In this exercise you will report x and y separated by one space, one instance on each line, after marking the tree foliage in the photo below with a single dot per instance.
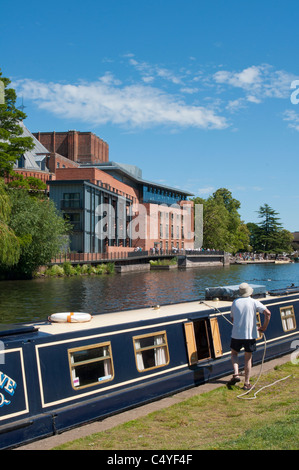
269 235
12 142
223 228
40 228
9 243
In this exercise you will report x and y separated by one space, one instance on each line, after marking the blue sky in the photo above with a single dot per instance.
197 93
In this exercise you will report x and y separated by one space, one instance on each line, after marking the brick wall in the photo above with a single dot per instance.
97 177
76 146
58 161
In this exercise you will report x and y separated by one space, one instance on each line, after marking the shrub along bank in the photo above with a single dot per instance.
67 269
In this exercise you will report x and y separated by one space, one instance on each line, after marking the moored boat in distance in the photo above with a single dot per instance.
59 375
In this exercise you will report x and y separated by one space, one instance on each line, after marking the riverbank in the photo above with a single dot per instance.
130 430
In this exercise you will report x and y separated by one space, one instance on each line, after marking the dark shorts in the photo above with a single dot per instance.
248 344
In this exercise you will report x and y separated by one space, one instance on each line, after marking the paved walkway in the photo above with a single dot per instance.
108 423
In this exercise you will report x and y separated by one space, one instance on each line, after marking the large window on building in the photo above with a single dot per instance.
158 195
75 219
71 200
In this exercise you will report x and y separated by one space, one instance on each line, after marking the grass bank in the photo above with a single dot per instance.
216 420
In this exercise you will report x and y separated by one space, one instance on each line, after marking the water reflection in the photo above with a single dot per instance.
35 300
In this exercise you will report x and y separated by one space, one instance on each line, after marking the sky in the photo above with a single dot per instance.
200 94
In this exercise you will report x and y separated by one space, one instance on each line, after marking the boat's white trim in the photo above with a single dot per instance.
111 387
26 409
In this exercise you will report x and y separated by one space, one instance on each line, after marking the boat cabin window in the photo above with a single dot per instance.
91 365
151 351
203 339
288 318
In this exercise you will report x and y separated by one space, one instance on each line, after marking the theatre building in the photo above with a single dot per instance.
113 209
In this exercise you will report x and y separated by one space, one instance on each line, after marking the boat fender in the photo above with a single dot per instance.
70 317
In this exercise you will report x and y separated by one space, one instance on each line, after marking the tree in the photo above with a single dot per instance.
269 235
9 243
29 182
12 142
238 232
222 225
40 228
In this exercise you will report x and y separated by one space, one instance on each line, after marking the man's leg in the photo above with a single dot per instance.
248 357
235 361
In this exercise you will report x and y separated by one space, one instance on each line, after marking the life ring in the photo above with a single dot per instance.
70 317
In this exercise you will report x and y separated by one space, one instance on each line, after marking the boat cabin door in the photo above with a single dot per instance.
202 339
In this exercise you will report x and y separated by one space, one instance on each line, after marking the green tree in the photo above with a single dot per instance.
238 232
222 225
40 228
12 142
9 243
255 236
31 183
269 235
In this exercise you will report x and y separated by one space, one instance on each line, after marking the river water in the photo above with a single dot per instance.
23 301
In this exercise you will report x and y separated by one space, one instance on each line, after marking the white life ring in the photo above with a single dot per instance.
70 317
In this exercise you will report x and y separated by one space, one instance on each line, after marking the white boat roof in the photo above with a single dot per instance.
121 318
130 316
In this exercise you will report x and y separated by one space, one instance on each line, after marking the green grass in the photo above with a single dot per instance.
214 420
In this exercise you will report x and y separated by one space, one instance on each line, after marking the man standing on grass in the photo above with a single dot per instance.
245 331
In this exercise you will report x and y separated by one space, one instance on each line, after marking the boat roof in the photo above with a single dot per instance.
120 318
161 314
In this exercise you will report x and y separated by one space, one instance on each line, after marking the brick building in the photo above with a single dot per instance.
119 213
111 207
80 147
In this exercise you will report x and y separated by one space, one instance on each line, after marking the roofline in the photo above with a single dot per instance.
114 165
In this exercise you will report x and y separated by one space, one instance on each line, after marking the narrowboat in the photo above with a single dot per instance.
57 375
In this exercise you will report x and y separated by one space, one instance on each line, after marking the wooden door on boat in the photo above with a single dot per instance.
209 336
191 343
216 337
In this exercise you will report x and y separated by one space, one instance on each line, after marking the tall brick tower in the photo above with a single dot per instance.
81 147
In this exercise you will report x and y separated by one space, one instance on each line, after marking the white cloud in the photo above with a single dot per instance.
206 190
258 82
292 118
157 95
246 78
108 101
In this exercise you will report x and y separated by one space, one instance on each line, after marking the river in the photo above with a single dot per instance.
34 300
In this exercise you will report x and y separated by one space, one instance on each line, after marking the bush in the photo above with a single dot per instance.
163 262
68 269
55 270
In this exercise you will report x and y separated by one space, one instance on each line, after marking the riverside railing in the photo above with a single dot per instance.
128 255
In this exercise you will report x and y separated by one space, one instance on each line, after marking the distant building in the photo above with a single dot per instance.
110 206
296 237
122 212
40 162
77 146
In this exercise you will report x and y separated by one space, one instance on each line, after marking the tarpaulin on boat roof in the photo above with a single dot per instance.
232 292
